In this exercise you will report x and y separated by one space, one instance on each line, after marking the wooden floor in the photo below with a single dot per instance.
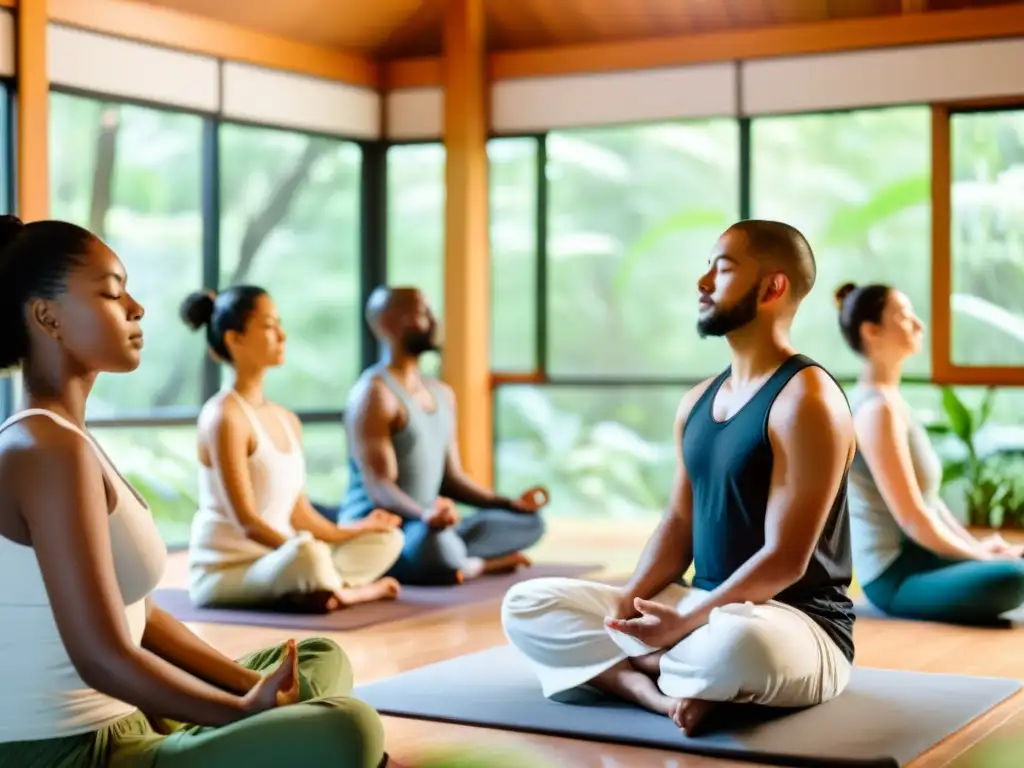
388 649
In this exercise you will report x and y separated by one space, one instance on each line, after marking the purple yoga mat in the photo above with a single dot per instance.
414 601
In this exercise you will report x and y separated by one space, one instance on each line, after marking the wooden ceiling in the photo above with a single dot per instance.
389 29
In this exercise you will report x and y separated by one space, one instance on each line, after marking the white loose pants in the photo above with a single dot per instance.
300 565
769 654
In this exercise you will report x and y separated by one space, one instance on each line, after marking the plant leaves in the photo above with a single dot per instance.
985 410
954 471
851 221
959 417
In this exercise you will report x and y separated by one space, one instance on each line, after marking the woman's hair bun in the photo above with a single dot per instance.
197 309
842 292
10 227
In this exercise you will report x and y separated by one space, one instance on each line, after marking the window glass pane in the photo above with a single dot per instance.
132 175
290 223
603 451
326 450
633 214
513 179
987 238
857 184
161 463
415 221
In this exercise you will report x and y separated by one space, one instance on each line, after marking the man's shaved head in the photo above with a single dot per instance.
384 301
755 266
402 317
781 247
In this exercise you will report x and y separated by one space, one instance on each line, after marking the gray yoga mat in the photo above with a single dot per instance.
884 718
413 601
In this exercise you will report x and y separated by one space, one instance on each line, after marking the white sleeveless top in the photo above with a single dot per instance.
278 481
44 697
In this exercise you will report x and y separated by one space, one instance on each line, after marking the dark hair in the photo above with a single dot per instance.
35 260
785 246
858 305
227 311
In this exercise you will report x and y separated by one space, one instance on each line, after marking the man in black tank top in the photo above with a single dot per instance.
758 507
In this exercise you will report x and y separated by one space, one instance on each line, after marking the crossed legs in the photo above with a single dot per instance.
304 574
486 541
770 654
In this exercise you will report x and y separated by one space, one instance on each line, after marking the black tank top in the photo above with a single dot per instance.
730 467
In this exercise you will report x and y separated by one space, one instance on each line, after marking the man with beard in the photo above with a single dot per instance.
758 507
405 459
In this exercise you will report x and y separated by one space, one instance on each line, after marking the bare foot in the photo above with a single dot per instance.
690 714
507 564
383 589
626 682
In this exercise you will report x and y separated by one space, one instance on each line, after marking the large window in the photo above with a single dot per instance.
987 238
632 216
290 216
415 223
290 223
513 228
857 184
600 450
133 176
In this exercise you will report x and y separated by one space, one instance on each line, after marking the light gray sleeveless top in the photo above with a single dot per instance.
421 448
877 537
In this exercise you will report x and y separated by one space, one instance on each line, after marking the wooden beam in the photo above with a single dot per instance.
197 34
768 42
467 285
33 112
411 73
914 6
942 208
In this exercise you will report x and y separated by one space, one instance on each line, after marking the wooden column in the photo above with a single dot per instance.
33 112
467 286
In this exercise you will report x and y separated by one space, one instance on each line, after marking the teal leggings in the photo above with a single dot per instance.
329 729
922 585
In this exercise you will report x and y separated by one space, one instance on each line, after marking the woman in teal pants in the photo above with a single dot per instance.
911 556
93 674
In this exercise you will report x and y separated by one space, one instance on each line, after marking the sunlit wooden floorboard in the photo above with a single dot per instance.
388 649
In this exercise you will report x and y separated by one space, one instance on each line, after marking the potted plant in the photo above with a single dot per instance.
992 483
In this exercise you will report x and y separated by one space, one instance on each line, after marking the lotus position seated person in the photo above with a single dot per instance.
405 459
94 674
758 506
911 555
256 540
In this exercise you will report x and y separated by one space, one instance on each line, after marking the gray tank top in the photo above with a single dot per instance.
877 537
421 448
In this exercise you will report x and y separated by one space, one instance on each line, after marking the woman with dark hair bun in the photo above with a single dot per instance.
256 538
94 673
911 555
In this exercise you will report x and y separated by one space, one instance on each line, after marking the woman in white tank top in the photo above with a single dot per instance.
94 674
256 539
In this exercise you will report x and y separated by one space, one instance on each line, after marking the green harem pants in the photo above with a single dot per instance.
329 729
